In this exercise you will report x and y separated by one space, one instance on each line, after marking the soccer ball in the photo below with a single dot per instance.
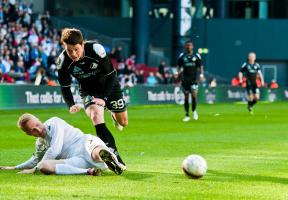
194 166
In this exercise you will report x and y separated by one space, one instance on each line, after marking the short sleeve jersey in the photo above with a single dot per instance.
191 65
250 71
90 71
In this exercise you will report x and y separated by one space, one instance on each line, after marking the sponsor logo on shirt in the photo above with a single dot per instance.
76 70
93 65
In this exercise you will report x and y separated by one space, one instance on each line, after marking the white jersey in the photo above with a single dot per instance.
63 141
62 138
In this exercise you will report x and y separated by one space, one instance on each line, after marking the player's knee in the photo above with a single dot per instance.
45 168
96 117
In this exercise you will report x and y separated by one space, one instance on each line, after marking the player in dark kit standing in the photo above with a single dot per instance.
190 68
98 84
251 70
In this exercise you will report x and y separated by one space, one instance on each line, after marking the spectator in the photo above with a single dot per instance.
1 76
128 70
235 81
7 63
116 53
1 15
50 81
274 84
161 68
167 77
140 76
24 40
213 83
18 72
151 79
128 82
41 77
176 78
131 60
33 37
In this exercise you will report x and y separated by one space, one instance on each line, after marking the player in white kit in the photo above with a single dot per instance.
67 149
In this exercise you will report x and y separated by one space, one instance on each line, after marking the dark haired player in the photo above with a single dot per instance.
190 68
89 64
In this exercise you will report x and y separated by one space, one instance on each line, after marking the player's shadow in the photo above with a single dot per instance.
222 176
140 175
136 175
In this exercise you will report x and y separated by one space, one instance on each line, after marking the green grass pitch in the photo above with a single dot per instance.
247 155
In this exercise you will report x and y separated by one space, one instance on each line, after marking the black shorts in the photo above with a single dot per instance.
115 102
189 86
252 89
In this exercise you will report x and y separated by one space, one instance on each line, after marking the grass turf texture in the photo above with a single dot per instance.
247 155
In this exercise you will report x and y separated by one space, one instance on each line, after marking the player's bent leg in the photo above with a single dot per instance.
96 114
95 153
118 108
77 165
111 161
101 153
117 125
94 145
120 119
49 166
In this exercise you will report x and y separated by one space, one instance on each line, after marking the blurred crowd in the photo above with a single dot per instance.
28 45
131 74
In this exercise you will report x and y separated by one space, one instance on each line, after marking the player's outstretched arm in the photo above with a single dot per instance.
28 171
7 167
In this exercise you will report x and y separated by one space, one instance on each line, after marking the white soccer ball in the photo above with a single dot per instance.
194 166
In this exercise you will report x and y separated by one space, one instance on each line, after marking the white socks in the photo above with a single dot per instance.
69 169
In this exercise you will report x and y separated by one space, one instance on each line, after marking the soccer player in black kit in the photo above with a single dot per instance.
99 88
191 69
251 70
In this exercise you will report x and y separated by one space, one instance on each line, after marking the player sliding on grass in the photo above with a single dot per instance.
64 149
88 62
252 71
189 66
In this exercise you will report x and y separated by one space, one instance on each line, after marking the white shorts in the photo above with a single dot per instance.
82 157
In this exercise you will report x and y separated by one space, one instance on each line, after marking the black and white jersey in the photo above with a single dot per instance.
94 72
250 71
191 65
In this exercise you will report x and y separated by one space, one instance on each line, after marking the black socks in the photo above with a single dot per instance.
194 104
105 135
252 103
186 106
